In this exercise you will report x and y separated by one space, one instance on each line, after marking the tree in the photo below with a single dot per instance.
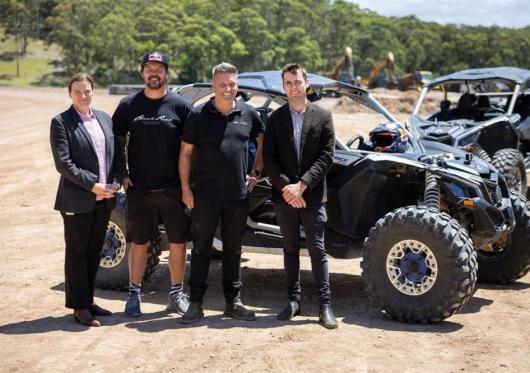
107 37
16 20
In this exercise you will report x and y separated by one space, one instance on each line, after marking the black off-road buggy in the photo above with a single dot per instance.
488 116
418 218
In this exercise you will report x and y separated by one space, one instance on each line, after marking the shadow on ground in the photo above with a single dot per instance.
263 289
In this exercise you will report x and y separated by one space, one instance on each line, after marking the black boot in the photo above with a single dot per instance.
193 314
326 317
291 310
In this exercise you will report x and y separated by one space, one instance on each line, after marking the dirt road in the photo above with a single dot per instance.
38 334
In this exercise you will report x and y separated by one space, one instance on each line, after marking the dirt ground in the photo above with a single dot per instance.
37 333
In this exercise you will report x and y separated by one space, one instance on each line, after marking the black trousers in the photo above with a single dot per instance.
313 219
84 235
206 216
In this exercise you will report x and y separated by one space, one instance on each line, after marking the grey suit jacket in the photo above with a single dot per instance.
316 155
76 160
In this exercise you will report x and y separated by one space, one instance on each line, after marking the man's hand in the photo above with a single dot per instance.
298 203
101 191
251 183
292 192
127 182
187 197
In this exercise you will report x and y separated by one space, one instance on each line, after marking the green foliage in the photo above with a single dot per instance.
107 37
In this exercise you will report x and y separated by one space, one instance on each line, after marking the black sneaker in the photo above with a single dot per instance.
238 311
132 307
193 314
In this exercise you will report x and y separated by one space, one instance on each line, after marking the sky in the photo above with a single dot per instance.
505 13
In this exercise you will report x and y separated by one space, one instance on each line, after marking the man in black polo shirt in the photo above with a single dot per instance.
218 134
153 118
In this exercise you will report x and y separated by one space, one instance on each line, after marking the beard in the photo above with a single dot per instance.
155 82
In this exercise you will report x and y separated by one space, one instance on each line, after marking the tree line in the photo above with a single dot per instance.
107 38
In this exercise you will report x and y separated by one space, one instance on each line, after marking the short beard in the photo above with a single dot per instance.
156 84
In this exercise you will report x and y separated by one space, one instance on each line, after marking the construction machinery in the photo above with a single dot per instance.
343 69
415 80
382 75
378 79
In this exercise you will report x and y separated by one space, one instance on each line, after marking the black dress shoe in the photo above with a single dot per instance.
96 310
291 310
84 317
238 311
326 317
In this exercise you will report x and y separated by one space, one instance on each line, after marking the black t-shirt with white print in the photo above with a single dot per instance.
155 129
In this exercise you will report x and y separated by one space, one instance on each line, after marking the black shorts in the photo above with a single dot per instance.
146 210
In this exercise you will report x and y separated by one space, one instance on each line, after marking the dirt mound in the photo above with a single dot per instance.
396 102
346 106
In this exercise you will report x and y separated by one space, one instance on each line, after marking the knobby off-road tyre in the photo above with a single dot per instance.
510 164
527 168
113 272
512 260
419 265
481 153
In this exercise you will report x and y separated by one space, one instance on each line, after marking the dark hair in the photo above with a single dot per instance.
80 77
293 68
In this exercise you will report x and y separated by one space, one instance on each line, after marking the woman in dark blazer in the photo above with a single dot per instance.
88 158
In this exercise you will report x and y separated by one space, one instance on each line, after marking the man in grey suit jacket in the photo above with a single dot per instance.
298 153
87 157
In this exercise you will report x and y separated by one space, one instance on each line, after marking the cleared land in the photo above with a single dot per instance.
38 334
36 66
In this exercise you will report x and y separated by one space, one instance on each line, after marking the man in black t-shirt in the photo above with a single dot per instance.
218 134
153 118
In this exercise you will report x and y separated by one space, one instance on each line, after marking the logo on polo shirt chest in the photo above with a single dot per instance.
239 123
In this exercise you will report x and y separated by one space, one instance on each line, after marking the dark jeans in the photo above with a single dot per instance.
84 235
313 218
206 216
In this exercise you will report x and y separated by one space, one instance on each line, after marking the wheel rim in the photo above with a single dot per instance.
114 247
411 267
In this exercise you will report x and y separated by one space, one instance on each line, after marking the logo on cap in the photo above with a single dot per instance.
155 57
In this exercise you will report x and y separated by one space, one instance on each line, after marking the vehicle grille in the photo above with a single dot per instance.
496 216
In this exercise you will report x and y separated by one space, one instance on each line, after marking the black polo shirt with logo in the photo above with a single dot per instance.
220 152
155 129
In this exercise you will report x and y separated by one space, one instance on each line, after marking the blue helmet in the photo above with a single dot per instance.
389 138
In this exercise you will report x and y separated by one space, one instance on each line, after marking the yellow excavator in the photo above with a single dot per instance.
378 79
343 69
415 80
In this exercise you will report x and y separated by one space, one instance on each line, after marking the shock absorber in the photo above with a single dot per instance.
431 195
481 153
